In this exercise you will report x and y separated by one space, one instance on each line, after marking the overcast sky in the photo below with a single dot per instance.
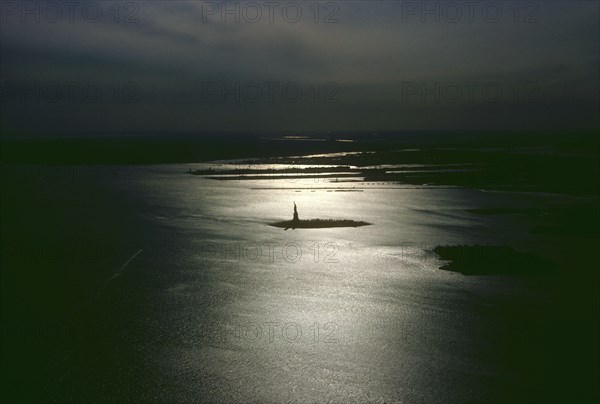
345 65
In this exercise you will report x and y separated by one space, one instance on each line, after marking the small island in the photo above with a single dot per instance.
296 223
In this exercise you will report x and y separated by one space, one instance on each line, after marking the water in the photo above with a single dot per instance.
179 291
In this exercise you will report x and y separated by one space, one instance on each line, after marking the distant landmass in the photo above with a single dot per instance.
552 162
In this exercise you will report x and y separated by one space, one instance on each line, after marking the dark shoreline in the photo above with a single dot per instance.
492 260
552 162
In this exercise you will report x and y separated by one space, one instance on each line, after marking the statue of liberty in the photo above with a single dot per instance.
296 223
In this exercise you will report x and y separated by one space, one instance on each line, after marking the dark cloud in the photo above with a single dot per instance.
174 51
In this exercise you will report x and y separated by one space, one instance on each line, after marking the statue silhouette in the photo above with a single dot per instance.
296 223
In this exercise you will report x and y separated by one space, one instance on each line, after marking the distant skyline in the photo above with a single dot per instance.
359 65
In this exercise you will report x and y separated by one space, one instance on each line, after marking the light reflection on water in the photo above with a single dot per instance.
346 314
202 300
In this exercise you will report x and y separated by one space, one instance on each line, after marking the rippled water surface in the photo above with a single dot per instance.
203 301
